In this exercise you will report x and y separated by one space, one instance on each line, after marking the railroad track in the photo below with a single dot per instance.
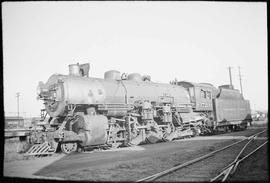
224 173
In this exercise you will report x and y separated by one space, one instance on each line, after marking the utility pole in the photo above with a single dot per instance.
240 80
230 76
18 95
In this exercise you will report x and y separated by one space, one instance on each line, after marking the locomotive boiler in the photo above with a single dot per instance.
123 110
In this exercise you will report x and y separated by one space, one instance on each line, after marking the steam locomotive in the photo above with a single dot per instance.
122 110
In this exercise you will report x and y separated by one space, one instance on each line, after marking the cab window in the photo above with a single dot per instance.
208 94
203 94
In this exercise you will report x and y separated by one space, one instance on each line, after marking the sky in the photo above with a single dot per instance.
192 41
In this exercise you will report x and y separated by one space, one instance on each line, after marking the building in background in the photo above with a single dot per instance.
14 122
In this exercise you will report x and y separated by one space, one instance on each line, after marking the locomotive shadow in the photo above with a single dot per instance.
73 160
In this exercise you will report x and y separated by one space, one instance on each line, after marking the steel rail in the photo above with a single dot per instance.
237 157
231 168
165 172
253 151
242 159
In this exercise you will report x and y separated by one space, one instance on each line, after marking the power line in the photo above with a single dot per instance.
18 95
240 80
230 76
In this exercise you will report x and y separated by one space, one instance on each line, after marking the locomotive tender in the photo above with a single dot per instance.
122 110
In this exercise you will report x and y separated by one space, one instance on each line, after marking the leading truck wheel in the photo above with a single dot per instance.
68 148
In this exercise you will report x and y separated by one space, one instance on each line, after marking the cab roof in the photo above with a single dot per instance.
192 84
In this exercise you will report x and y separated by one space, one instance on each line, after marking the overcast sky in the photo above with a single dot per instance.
192 41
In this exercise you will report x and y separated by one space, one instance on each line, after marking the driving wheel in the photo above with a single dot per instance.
70 147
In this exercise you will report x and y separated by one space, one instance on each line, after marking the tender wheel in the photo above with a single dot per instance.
68 148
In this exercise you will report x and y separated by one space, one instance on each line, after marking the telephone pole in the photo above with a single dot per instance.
240 80
18 95
230 76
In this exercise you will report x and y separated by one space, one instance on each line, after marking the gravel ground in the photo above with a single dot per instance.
210 167
254 168
203 170
128 164
26 168
11 149
131 165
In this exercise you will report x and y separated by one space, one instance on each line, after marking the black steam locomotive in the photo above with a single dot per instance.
121 110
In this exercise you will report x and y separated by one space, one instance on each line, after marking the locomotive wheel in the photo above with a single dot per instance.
153 137
195 132
70 147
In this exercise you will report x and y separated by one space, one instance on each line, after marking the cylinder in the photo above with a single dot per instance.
92 129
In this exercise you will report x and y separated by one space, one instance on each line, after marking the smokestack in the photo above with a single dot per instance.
74 69
79 69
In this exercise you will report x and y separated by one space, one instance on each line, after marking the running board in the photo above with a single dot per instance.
40 149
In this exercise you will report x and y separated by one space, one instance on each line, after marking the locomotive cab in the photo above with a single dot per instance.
201 95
